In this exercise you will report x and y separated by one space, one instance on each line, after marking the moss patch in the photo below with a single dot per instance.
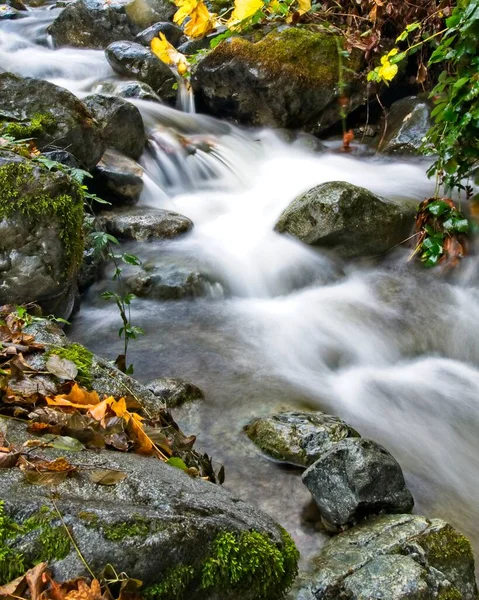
82 358
22 191
52 543
173 586
120 531
38 123
446 547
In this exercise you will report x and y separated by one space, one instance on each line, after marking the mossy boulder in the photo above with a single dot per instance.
349 219
287 79
97 23
133 60
184 538
53 116
121 123
408 122
298 438
394 557
41 241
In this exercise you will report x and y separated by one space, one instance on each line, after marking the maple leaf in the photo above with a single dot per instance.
168 54
304 6
77 398
244 9
201 21
185 8
388 71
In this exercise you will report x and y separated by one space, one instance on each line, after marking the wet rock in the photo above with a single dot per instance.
54 117
97 23
349 219
193 46
409 120
121 123
355 478
142 223
130 59
118 179
93 258
299 438
8 12
394 557
41 239
158 525
173 34
287 79
128 89
63 157
174 392
167 282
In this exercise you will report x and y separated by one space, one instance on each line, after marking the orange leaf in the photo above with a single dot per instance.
99 411
143 443
77 398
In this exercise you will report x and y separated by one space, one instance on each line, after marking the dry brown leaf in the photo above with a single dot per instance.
421 73
61 367
35 581
106 476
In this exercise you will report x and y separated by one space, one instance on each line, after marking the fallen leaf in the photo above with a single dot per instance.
69 444
177 462
77 398
35 581
45 478
7 461
14 589
85 591
106 476
62 367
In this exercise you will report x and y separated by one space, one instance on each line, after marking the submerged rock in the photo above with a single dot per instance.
349 219
143 223
121 123
118 179
299 438
394 557
174 392
287 79
130 59
173 34
55 118
41 239
355 478
97 23
129 89
409 120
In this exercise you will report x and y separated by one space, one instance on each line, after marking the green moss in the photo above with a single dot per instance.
12 561
120 531
82 358
21 191
173 586
450 594
251 561
445 546
90 518
55 544
34 127
299 54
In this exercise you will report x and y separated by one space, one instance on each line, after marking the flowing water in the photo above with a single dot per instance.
391 348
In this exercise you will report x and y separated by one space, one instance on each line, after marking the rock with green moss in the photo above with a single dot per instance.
184 538
298 438
41 242
53 116
394 557
408 122
97 23
287 79
348 219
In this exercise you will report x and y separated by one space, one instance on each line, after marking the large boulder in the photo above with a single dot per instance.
121 123
183 538
409 120
355 478
97 23
142 223
118 179
349 219
287 79
394 557
298 438
54 117
41 238
133 60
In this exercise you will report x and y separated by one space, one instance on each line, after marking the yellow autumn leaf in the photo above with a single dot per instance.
201 21
244 9
387 71
185 8
304 6
168 54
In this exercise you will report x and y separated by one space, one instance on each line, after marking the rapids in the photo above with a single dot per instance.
391 348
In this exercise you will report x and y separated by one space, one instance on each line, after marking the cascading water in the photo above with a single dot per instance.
392 349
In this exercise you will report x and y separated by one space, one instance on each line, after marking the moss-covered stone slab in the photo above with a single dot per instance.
349 219
296 437
287 79
184 538
394 557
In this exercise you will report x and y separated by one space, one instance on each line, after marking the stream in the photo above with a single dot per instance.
391 348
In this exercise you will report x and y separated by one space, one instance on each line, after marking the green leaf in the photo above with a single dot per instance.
438 207
63 442
131 259
176 461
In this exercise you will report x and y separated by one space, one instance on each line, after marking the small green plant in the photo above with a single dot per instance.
105 243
